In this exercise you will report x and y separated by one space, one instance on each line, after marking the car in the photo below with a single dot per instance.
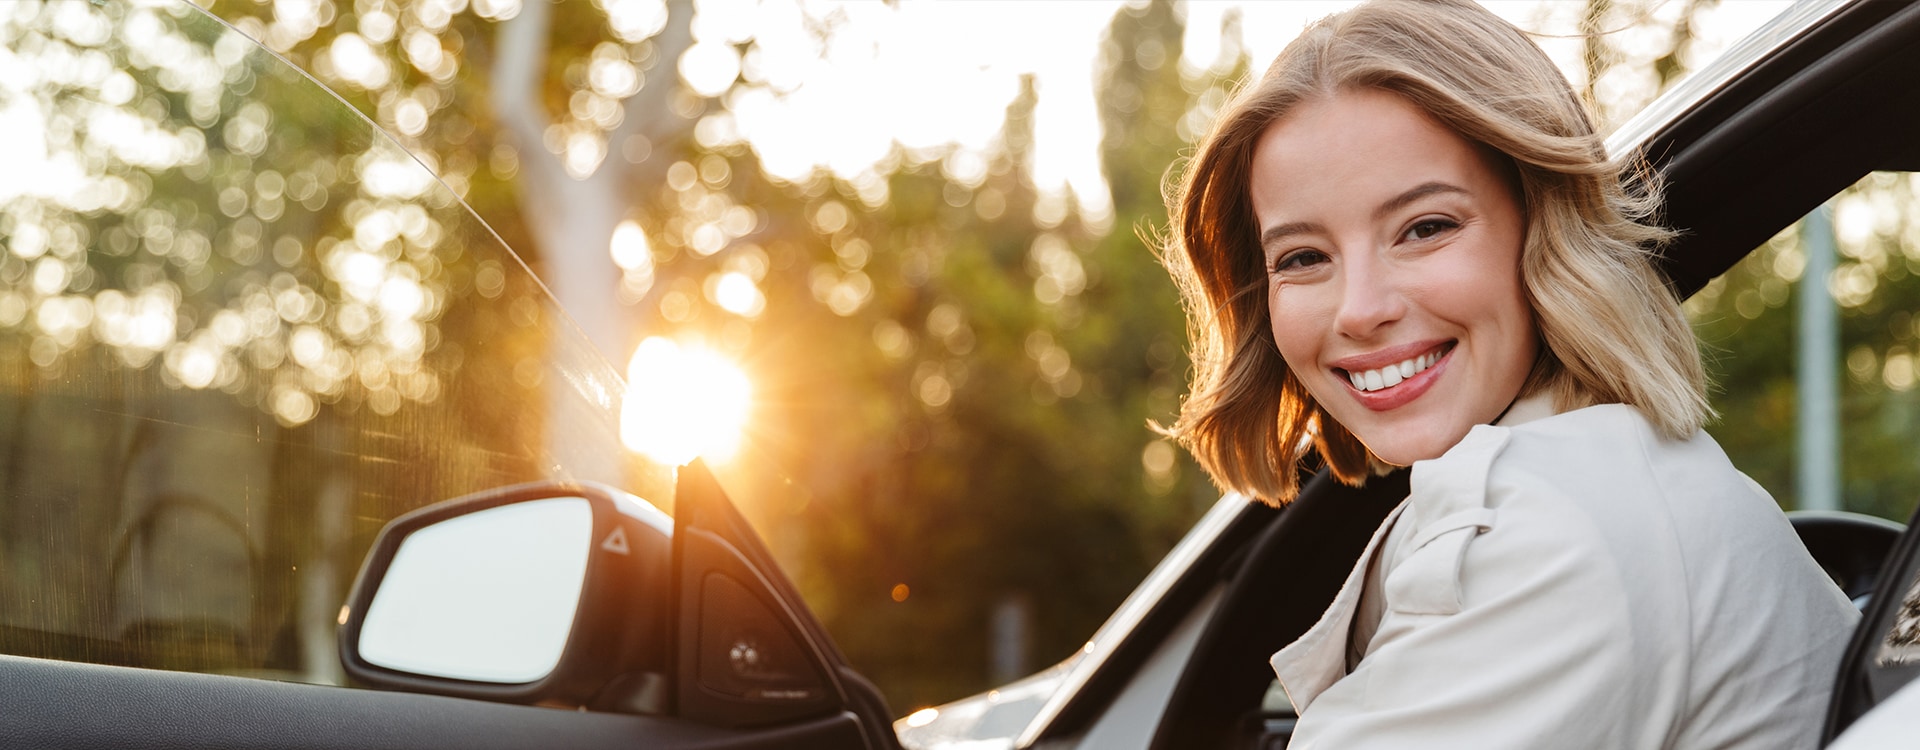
1818 99
196 317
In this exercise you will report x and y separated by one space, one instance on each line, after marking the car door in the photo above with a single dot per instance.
240 330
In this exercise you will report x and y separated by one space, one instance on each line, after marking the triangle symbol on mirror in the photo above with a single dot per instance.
616 542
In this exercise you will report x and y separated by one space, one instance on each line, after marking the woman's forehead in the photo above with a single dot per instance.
1356 150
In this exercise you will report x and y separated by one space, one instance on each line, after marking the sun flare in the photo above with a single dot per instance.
683 402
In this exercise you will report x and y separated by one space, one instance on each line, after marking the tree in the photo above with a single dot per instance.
958 382
230 311
1746 320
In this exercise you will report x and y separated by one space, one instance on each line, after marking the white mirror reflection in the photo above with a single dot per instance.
488 597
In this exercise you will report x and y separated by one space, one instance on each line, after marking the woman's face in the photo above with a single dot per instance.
1393 271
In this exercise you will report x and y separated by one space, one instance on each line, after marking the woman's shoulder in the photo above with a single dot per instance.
1569 456
1613 456
1512 513
1593 453
1601 472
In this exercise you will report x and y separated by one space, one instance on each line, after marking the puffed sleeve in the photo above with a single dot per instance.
1514 618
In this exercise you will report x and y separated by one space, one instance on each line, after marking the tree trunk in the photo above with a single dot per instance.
573 218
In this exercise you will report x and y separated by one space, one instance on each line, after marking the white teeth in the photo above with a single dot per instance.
1392 375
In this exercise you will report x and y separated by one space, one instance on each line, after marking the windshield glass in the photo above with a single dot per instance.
240 329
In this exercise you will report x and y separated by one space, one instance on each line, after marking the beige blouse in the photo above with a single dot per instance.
1373 605
1574 581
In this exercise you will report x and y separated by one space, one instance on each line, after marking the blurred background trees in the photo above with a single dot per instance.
954 367
239 329
954 371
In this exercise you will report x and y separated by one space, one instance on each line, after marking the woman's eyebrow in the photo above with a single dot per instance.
1420 191
1282 231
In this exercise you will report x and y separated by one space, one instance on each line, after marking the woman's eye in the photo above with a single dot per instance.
1428 228
1298 260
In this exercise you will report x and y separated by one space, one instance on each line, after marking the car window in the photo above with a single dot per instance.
240 329
1854 360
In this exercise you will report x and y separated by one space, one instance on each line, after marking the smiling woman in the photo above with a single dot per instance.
1610 330
1405 246
1403 277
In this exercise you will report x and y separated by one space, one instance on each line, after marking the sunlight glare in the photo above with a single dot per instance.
23 147
682 403
922 717
945 93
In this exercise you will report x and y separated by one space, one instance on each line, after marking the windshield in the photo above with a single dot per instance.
240 329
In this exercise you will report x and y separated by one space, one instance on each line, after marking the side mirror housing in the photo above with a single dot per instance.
580 595
747 650
550 593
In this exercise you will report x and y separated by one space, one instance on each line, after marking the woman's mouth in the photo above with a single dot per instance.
1393 385
1389 376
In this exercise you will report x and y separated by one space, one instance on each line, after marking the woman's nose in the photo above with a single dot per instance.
1369 298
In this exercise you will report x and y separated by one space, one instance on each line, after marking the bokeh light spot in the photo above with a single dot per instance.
629 247
736 293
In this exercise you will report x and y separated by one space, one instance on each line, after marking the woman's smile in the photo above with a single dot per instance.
1398 382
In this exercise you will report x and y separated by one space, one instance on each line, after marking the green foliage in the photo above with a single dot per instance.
1746 319
975 430
272 340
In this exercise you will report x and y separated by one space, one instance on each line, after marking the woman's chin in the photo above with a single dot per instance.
1404 450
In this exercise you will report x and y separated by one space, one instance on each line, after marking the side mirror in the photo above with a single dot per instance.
505 616
580 595
539 593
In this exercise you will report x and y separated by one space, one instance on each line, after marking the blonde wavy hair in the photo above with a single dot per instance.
1610 325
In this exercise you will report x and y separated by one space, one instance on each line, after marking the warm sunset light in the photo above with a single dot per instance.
891 267
683 402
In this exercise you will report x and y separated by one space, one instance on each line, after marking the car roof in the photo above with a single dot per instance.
1751 145
1745 53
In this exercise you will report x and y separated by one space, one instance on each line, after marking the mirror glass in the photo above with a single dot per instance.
487 597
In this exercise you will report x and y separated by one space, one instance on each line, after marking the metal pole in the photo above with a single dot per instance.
1816 376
